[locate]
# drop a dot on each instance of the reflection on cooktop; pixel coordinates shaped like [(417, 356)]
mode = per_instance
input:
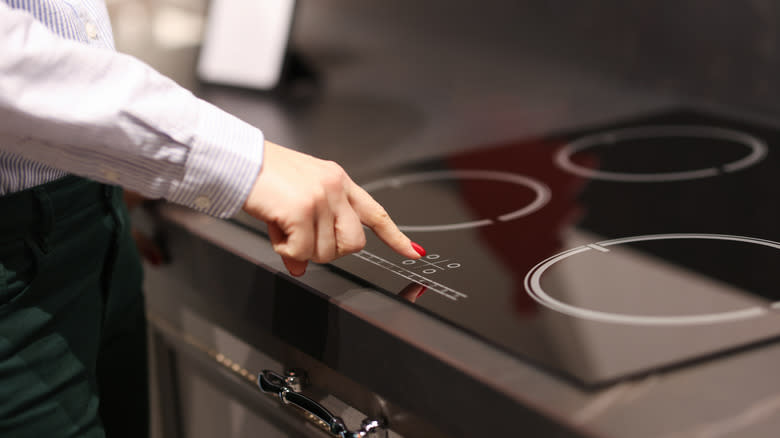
[(597, 255)]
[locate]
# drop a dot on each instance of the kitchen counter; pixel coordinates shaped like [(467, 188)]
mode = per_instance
[(425, 372)]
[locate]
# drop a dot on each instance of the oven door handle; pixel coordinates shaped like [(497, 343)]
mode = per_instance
[(273, 383)]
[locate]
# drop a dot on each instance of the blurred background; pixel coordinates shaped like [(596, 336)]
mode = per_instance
[(423, 76), (720, 50)]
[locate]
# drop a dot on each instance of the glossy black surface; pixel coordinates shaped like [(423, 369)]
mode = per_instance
[(661, 234)]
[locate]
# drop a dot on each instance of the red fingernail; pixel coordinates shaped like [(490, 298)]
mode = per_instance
[(422, 291), (420, 250)]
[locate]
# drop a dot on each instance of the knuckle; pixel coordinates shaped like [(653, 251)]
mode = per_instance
[(380, 216), (279, 249), (318, 193), (334, 167), (334, 176), (295, 252), (284, 251), (308, 205), (358, 244), (352, 245)]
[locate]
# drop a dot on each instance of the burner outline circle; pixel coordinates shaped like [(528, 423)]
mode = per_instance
[(758, 151), (534, 289), (543, 194)]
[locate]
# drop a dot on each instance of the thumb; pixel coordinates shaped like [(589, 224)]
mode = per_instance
[(277, 236)]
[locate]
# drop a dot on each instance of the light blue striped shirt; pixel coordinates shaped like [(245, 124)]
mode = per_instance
[(70, 104)]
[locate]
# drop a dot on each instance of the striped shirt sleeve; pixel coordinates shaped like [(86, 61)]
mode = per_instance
[(109, 117)]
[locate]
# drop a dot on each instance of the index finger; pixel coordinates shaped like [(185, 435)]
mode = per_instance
[(374, 216)]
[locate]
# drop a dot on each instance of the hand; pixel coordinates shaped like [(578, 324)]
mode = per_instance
[(314, 211)]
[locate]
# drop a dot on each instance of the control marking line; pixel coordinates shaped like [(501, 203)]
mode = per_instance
[(411, 276), (597, 247), (435, 264)]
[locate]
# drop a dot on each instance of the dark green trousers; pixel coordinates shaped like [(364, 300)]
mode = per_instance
[(72, 327)]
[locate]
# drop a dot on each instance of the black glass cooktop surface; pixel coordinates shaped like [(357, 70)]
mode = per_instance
[(600, 254)]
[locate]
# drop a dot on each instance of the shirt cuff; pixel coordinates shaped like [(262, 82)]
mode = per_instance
[(222, 165)]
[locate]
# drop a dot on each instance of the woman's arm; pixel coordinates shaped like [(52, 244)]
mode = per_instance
[(109, 117)]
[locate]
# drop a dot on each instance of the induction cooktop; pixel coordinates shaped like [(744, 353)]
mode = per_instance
[(598, 255)]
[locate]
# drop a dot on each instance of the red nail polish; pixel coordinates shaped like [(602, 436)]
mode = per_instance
[(422, 291), (419, 249)]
